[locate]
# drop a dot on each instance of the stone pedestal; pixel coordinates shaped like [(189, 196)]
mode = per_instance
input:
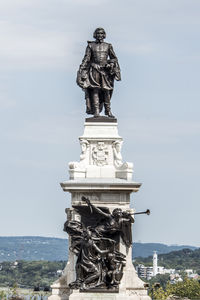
[(103, 177)]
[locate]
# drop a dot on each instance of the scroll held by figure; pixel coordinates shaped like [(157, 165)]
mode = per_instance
[(95, 241), (97, 73)]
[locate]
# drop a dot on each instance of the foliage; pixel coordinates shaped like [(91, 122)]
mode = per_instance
[(3, 295), (162, 279), (158, 293), (16, 293), (189, 288), (30, 273)]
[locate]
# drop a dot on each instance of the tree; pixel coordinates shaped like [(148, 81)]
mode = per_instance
[(158, 293), (3, 295), (187, 288), (161, 278)]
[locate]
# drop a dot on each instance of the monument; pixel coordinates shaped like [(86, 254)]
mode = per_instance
[(99, 221)]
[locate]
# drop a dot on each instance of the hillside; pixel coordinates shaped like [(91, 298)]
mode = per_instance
[(146, 249), (28, 274), (55, 249), (33, 273), (179, 260), (33, 248)]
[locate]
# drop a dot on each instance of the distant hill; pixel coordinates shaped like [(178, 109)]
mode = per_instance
[(33, 248), (179, 260), (146, 249), (56, 249)]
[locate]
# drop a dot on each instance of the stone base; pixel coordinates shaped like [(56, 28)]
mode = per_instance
[(100, 152), (76, 295), (103, 177), (107, 296), (130, 288)]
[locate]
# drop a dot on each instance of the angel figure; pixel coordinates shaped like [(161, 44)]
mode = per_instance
[(111, 223)]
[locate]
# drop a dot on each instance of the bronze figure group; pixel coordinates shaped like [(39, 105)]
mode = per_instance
[(95, 241)]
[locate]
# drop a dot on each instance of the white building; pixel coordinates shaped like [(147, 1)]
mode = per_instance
[(155, 264), (149, 272)]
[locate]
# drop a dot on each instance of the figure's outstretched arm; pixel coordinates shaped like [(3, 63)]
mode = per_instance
[(94, 208), (100, 251), (128, 219)]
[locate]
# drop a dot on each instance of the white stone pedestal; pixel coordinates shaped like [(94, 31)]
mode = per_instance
[(106, 180)]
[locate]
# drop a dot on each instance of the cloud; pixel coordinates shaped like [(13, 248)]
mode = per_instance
[(50, 34), (25, 48), (40, 35)]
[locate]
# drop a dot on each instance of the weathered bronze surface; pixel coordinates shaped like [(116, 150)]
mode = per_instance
[(97, 73), (95, 241)]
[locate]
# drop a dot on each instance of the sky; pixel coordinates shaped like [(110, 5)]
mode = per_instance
[(42, 110)]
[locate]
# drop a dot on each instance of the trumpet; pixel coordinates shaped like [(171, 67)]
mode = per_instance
[(147, 212)]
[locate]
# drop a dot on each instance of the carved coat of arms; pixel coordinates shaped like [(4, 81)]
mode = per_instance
[(100, 154)]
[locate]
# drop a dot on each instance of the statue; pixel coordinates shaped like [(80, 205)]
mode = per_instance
[(98, 262), (118, 162), (118, 222), (97, 73), (95, 241)]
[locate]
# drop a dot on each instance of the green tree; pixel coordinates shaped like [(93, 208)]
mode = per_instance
[(187, 288), (158, 293), (3, 295), (163, 279)]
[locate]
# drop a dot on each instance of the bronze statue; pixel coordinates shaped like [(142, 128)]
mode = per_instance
[(97, 73), (95, 241), (118, 222), (98, 263)]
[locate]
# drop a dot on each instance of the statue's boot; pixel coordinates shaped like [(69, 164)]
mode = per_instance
[(108, 111), (107, 106), (109, 114)]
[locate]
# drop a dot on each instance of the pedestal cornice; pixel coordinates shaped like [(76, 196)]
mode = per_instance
[(100, 184)]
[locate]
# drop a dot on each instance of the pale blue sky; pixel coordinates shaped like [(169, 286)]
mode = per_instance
[(156, 103)]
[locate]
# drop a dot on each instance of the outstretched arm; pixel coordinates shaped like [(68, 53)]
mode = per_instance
[(94, 208), (99, 250), (127, 219)]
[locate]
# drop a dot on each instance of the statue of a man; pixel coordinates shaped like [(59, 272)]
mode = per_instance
[(97, 73)]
